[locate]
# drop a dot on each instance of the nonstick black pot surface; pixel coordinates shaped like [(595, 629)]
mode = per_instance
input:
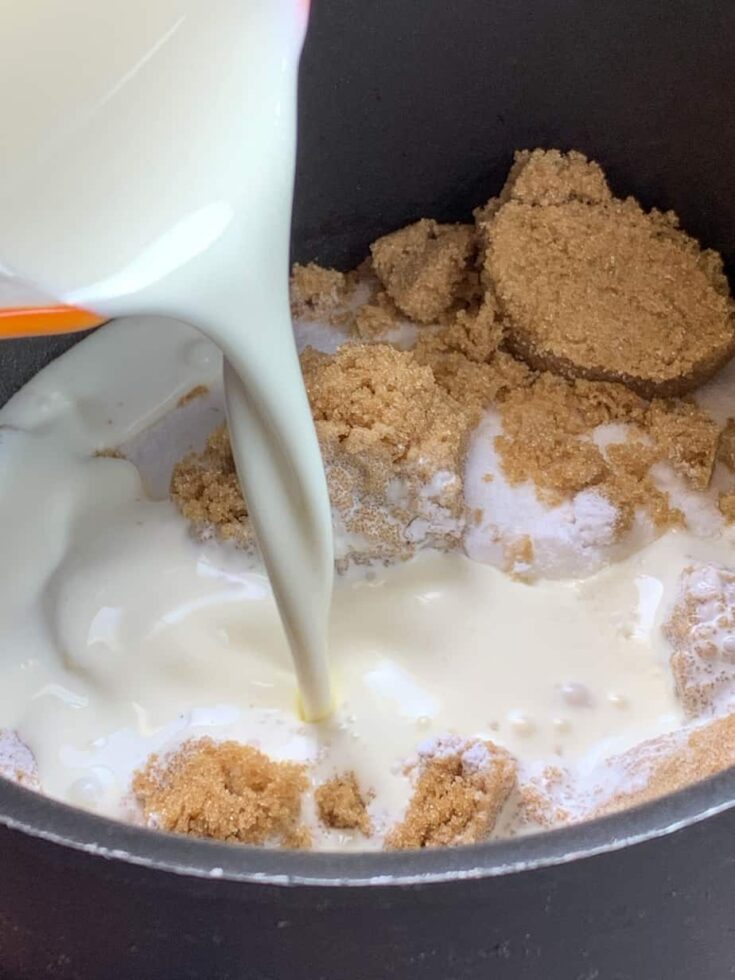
[(412, 108)]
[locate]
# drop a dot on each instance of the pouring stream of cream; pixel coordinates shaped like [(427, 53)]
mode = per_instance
[(146, 166)]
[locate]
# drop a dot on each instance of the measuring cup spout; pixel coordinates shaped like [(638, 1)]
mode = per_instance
[(32, 321)]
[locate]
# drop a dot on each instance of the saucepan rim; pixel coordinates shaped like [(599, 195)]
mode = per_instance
[(41, 817)]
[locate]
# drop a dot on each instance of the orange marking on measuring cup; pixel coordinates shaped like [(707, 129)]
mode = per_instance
[(44, 321)]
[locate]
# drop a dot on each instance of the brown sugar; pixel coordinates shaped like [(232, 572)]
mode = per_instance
[(726, 505), (380, 417), (205, 488), (224, 791), (687, 437), (198, 391), (316, 292), (546, 432), (386, 429), (545, 177), (540, 442), (477, 385), (422, 267), (540, 800), (475, 334), (376, 397), (383, 413), (374, 320), (546, 438), (595, 287), (701, 631), (518, 556), (461, 788), (629, 487), (341, 805), (671, 762), (110, 453), (726, 447), (647, 771)]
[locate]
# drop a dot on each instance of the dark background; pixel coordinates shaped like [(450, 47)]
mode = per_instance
[(412, 108)]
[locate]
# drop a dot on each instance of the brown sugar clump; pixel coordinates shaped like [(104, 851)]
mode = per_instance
[(645, 772), (466, 362), (198, 391), (224, 791), (546, 428), (545, 800), (109, 454), (316, 292), (701, 631), (374, 397), (461, 788), (544, 177), (726, 505), (726, 447), (378, 318), (546, 438), (687, 437), (629, 487), (475, 334), (387, 429), (474, 384), (595, 287), (667, 764), (518, 556), (423, 265), (341, 805), (206, 490)]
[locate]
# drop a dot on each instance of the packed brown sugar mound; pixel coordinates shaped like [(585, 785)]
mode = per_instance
[(224, 791), (701, 631), (461, 788), (594, 287)]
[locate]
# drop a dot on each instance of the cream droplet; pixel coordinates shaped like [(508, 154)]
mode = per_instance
[(85, 791), (577, 695), (521, 724)]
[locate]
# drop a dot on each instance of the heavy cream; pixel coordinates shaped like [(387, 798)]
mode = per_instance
[(147, 167)]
